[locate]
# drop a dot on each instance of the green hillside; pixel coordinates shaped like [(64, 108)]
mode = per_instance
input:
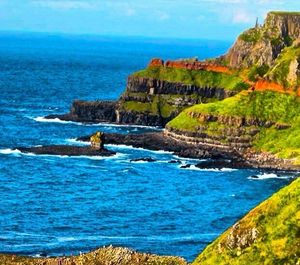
[(279, 115), (269, 234), (199, 78)]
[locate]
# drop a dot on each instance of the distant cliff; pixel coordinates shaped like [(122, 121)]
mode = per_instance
[(264, 43)]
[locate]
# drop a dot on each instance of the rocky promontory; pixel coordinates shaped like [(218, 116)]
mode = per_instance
[(156, 95)]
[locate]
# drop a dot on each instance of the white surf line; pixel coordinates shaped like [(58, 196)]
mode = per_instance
[(9, 151), (103, 124), (193, 167), (75, 141), (268, 176), (123, 146)]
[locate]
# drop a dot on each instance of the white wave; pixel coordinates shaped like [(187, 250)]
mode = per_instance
[(128, 126), (103, 124), (123, 146), (55, 120), (113, 157), (151, 238), (268, 176), (193, 167), (188, 159), (75, 141), (9, 151)]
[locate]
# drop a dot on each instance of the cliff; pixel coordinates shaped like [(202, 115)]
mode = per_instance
[(263, 44), (157, 94), (269, 234), (247, 105), (263, 121)]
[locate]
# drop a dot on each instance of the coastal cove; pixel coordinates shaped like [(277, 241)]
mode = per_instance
[(63, 205)]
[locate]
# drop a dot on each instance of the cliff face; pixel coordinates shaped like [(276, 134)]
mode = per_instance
[(265, 121), (269, 234), (156, 95), (262, 45)]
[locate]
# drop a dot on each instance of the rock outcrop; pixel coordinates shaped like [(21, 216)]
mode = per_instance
[(103, 256), (263, 44), (66, 150)]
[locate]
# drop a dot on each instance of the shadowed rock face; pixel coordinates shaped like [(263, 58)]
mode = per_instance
[(103, 256), (263, 44)]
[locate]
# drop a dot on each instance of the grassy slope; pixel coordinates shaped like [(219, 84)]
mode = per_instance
[(266, 106), (198, 78), (158, 105), (279, 72), (103, 256), (269, 234)]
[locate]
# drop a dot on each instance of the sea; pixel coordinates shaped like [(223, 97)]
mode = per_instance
[(60, 205)]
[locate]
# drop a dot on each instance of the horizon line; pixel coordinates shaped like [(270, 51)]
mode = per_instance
[(95, 35)]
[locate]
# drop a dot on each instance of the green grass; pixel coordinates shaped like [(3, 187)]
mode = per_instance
[(161, 105), (257, 72), (270, 233), (284, 143), (198, 78), (264, 106), (285, 13), (279, 72), (267, 106), (252, 35)]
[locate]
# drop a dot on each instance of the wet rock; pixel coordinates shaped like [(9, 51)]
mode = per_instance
[(66, 150), (186, 166), (174, 162), (143, 159)]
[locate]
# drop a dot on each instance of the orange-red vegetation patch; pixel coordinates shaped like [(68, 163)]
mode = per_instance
[(190, 65), (263, 85)]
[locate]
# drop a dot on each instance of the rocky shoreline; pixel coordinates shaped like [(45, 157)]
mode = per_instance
[(218, 156), (106, 255)]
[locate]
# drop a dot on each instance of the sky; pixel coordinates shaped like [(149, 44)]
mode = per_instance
[(195, 19)]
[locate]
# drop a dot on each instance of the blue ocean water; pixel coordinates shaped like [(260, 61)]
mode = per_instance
[(64, 205)]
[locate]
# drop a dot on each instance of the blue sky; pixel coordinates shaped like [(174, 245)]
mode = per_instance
[(201, 19)]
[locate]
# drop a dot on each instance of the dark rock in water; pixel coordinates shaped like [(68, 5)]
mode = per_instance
[(66, 150), (143, 159), (254, 177), (43, 254), (174, 162), (94, 111), (186, 166), (218, 164)]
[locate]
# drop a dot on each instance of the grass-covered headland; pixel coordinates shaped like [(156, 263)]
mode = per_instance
[(278, 114), (200, 78)]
